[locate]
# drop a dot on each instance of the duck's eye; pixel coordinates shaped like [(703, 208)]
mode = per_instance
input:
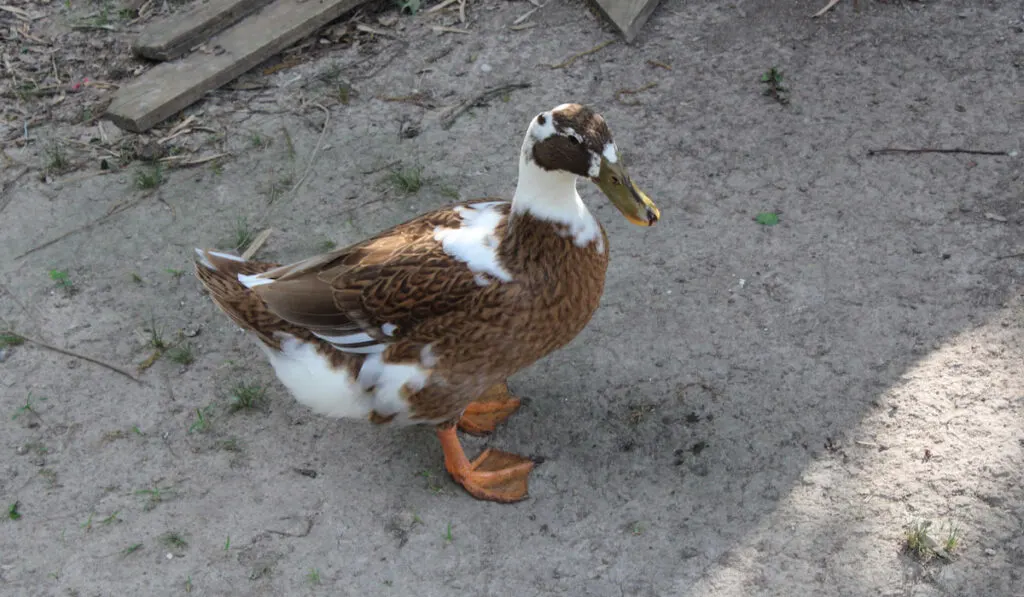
[(541, 120), (616, 181)]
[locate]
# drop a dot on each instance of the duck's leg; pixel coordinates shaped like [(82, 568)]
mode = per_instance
[(485, 413), (494, 475)]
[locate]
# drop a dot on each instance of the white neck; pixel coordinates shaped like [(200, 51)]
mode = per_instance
[(551, 195)]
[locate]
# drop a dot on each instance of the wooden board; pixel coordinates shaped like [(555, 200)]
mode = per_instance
[(167, 39), (170, 87), (628, 16)]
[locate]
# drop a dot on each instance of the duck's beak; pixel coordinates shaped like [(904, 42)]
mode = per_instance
[(615, 183)]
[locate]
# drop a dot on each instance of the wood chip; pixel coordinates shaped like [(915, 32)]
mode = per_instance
[(827, 8), (256, 244)]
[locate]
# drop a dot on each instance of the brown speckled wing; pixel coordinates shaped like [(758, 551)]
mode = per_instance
[(399, 278)]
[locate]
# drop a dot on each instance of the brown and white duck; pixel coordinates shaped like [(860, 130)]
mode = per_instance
[(424, 322)]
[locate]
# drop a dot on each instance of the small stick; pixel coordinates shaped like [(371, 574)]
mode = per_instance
[(319, 142), (195, 162), (256, 244), (827, 8), (575, 57), (659, 64), (525, 16), (77, 355), (1010, 256), (622, 92), (82, 228), (440, 29), (887, 150), (440, 6), (449, 119)]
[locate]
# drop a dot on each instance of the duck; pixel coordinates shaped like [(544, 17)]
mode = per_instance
[(424, 323)]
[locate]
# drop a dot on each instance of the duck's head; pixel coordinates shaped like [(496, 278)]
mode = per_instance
[(574, 139)]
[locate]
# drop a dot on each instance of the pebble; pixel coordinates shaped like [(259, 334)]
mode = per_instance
[(990, 552), (485, 68)]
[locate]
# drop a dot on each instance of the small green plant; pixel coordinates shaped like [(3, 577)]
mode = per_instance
[(244, 234), (450, 192), (448, 538), (131, 549), (182, 354), (407, 180), (327, 245), (173, 540), (87, 525), (137, 431), (188, 584), (153, 496), (50, 476), (246, 396), (111, 519), (57, 159), (28, 408), (227, 543), (772, 78), (136, 278), (12, 511), (8, 340), (919, 544), (202, 422), (408, 6), (149, 177), (258, 141), (313, 576), (156, 335), (62, 280), (177, 273), (767, 218), (952, 538), (230, 445)]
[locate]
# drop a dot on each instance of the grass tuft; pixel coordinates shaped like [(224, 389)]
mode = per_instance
[(8, 340), (246, 396), (63, 281), (244, 234), (183, 354), (406, 180), (149, 178), (173, 540)]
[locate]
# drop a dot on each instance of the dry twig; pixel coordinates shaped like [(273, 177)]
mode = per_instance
[(449, 119), (568, 62), (257, 244), (888, 150), (316, 150), (77, 355), (110, 214), (622, 92)]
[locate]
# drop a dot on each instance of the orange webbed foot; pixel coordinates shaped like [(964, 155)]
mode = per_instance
[(494, 475), (484, 414)]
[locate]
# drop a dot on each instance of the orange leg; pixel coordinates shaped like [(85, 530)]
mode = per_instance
[(484, 414), (494, 475)]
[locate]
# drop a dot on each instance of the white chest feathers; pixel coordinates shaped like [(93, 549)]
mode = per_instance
[(379, 386), (475, 241)]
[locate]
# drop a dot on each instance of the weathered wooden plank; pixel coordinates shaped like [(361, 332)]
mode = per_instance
[(167, 39), (170, 87), (628, 16)]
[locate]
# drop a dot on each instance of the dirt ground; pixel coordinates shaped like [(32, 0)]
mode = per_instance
[(755, 409)]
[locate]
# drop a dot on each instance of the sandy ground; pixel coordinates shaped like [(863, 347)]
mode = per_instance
[(755, 410)]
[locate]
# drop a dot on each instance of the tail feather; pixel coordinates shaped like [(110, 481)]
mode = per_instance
[(221, 275)]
